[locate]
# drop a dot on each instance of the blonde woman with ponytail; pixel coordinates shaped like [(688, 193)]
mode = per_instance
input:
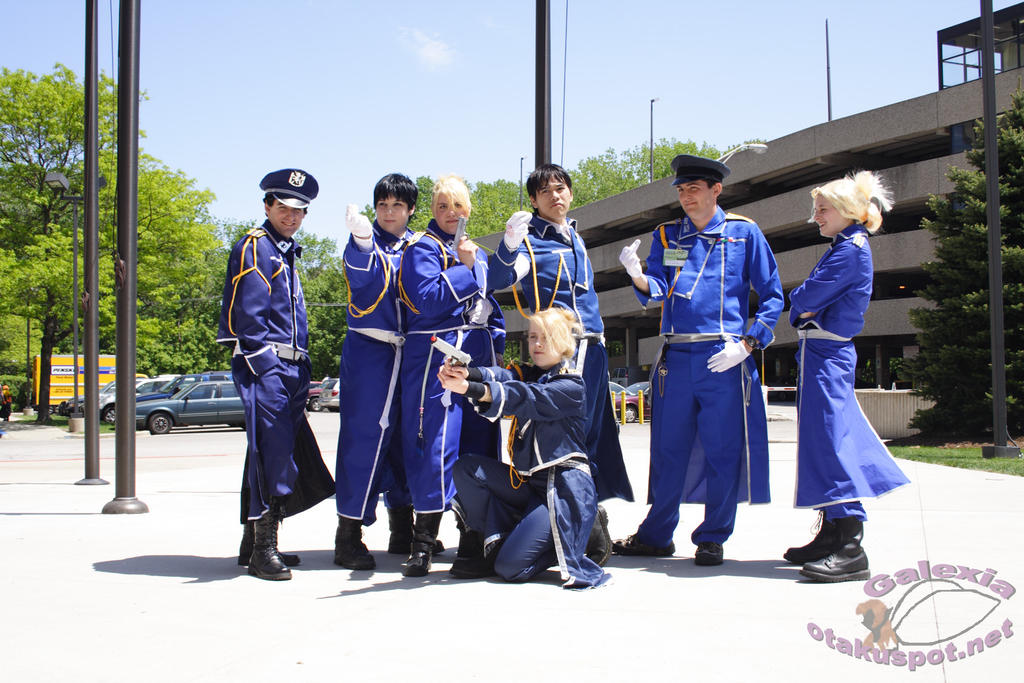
[(840, 458)]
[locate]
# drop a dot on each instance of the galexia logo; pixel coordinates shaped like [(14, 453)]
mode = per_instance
[(930, 614)]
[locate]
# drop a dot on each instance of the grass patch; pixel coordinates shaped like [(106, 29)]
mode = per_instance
[(965, 458), (62, 422)]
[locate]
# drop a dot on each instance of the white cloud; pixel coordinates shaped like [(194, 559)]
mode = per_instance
[(432, 52)]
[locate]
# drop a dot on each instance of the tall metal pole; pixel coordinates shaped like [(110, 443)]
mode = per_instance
[(76, 410), (995, 251), (91, 236), (125, 274), (521, 183), (542, 98), (828, 72), (653, 100)]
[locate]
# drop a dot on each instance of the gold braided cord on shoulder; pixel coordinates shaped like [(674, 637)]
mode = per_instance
[(250, 242), (514, 478), (444, 266), (536, 287), (679, 271), (354, 310), (738, 217)]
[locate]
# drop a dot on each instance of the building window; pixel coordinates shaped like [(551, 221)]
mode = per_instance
[(960, 47)]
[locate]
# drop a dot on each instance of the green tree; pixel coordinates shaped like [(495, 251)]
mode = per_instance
[(41, 130), (953, 367), (493, 203), (326, 292), (611, 173)]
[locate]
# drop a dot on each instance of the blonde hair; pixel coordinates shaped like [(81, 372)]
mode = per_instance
[(560, 328), (861, 198), (453, 187)]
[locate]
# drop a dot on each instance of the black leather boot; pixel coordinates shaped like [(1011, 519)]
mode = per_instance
[(265, 563), (599, 545), (349, 550), (849, 563), (245, 548), (400, 524), (825, 542), (424, 535), (470, 562)]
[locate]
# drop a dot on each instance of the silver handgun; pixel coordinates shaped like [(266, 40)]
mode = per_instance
[(453, 355)]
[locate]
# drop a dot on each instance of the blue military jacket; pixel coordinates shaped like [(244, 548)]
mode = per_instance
[(440, 290), (549, 410), (372, 279), (558, 272), (839, 288), (704, 278), (262, 304)]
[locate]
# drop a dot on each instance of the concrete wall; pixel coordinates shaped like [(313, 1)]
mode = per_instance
[(890, 412)]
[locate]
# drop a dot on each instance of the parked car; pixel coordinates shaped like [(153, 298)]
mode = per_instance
[(199, 403), (329, 395), (313, 397), (108, 395), (175, 385), (632, 400)]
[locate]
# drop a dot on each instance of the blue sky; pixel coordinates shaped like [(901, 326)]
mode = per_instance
[(350, 91)]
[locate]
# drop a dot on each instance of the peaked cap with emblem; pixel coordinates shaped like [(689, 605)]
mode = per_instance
[(689, 168), (291, 186)]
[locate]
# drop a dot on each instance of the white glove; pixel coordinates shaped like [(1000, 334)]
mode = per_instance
[(732, 355), (359, 227), (516, 228), (629, 259)]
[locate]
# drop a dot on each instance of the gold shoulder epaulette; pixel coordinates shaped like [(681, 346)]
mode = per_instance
[(737, 217), (256, 232)]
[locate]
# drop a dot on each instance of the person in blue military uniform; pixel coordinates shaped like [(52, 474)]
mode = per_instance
[(543, 252), (369, 459), (709, 436), (840, 458), (538, 511), (263, 322), (444, 287)]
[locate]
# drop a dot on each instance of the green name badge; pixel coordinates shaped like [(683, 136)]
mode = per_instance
[(675, 258)]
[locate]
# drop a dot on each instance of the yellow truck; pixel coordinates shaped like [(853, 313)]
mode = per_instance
[(62, 377)]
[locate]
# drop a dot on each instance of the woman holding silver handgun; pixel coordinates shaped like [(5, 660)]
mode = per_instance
[(442, 281), (537, 511)]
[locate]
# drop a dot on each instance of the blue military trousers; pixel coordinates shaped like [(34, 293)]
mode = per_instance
[(697, 444), (369, 459), (274, 404)]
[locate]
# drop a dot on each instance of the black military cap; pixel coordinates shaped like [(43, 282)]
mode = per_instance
[(291, 186), (689, 168)]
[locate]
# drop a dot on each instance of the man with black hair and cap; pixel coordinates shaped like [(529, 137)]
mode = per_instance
[(709, 437), (263, 321)]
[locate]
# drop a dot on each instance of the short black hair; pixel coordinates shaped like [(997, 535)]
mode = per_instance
[(269, 200), (398, 186), (545, 174)]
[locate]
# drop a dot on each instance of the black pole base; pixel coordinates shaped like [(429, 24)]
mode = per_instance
[(88, 481), (1000, 452), (125, 506)]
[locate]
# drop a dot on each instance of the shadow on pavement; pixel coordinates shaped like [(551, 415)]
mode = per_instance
[(198, 569), (683, 567)]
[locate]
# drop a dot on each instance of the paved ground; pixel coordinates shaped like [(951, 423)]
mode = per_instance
[(158, 596)]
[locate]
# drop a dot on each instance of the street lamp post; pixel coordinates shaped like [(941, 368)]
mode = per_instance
[(59, 182), (653, 100), (521, 183), (755, 147)]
